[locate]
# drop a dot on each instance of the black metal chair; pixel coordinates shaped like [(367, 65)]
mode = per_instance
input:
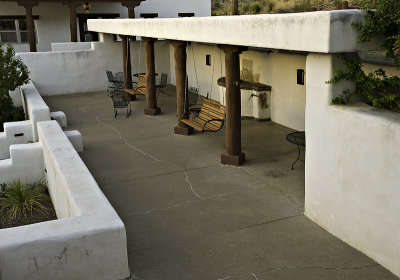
[(121, 100), (193, 100), (112, 83), (163, 83)]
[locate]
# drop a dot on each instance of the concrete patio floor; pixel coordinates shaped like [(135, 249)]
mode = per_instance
[(189, 217)]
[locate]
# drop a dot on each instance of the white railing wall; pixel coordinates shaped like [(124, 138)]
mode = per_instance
[(25, 164), (88, 241)]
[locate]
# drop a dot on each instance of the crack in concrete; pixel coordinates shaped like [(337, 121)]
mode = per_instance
[(57, 257), (83, 109), (158, 175), (229, 277), (186, 202), (322, 267), (255, 277), (272, 221)]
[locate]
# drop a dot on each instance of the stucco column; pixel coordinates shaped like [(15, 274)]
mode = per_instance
[(72, 19), (182, 104), (233, 154), (151, 98), (30, 24)]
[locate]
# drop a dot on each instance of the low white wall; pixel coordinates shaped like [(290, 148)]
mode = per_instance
[(352, 168), (88, 241), (26, 164), (36, 109), (14, 133), (65, 72), (79, 46)]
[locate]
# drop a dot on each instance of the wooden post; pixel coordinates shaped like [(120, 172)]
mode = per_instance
[(131, 5), (233, 154), (126, 62), (72, 19), (151, 98), (345, 5), (235, 7), (30, 23), (182, 104)]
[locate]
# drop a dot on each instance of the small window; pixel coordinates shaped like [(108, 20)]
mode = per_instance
[(300, 76), (149, 15), (186, 14), (208, 60), (13, 31)]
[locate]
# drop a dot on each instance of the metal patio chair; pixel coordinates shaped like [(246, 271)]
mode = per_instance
[(112, 83), (163, 83), (121, 100)]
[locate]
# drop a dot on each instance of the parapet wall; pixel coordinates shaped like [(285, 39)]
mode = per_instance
[(25, 164), (352, 168), (36, 109), (88, 241)]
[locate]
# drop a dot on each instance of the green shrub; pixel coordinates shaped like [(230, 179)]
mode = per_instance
[(270, 5), (375, 89), (255, 8), (19, 200), (382, 17), (13, 73)]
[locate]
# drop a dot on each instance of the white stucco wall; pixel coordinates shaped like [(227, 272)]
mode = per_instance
[(79, 46), (352, 168), (36, 110), (325, 32), (25, 164), (64, 72), (277, 69), (53, 23), (15, 133), (88, 241), (170, 9)]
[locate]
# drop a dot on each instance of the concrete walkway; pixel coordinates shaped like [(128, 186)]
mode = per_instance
[(189, 217)]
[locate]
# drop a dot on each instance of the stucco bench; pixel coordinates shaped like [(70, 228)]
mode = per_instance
[(60, 117)]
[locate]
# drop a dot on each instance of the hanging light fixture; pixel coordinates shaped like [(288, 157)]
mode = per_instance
[(86, 7)]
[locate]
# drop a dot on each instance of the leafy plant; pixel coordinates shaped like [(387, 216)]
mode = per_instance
[(382, 17), (375, 89), (256, 8), (13, 73), (20, 200)]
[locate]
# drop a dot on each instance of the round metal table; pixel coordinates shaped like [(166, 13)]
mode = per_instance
[(137, 74), (298, 138)]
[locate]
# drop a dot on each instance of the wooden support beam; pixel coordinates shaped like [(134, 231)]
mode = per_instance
[(72, 19), (151, 98), (182, 104), (233, 154), (28, 5)]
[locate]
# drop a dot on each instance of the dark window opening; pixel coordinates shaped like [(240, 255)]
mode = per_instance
[(84, 34), (208, 60), (300, 76), (149, 15), (186, 14), (14, 30)]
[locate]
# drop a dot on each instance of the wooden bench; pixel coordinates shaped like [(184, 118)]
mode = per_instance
[(210, 118), (140, 88)]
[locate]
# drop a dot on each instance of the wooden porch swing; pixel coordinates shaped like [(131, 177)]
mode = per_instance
[(211, 116), (140, 86)]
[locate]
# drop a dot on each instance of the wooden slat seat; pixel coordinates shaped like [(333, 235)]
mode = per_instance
[(210, 118), (140, 88)]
